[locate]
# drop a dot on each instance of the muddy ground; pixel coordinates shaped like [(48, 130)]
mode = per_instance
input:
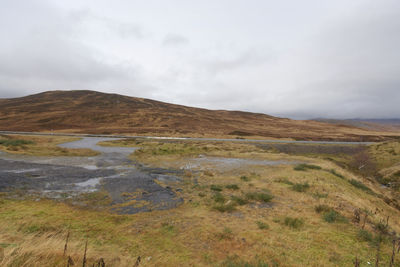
[(71, 177), (108, 181)]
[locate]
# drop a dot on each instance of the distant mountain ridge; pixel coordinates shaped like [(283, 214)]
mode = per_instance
[(83, 111), (392, 125)]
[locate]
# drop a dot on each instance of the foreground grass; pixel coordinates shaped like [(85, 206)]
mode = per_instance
[(251, 215), (41, 146)]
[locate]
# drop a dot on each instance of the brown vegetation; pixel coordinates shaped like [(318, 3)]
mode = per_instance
[(42, 146), (315, 215), (94, 112)]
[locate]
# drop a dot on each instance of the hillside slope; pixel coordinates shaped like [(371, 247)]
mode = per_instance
[(385, 125), (95, 112)]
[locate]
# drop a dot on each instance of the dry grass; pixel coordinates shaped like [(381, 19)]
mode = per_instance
[(195, 234), (42, 146)]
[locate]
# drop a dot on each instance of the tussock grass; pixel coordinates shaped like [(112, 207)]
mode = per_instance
[(304, 167), (333, 171), (219, 198), (217, 188), (294, 223), (262, 225), (361, 186), (245, 178), (284, 181), (322, 208), (229, 207), (227, 233), (300, 187), (333, 216), (239, 200), (259, 196), (364, 235), (329, 214), (318, 195), (232, 186)]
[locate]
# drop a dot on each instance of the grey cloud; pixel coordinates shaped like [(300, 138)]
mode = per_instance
[(45, 53), (125, 30), (352, 69), (347, 66), (172, 39), (245, 59)]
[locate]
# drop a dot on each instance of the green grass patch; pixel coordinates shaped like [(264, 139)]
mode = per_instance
[(167, 228), (364, 235), (300, 187), (284, 181), (322, 208), (38, 229), (332, 171), (245, 178), (381, 227), (225, 234), (6, 245), (15, 142), (262, 225), (232, 186), (259, 196), (218, 197), (361, 186), (217, 188), (294, 223), (333, 216), (304, 167), (319, 195), (224, 207), (239, 200)]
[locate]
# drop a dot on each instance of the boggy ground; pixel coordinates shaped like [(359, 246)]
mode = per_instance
[(238, 210), (107, 181)]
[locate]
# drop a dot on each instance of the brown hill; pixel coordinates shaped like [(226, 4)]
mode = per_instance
[(383, 125), (94, 112)]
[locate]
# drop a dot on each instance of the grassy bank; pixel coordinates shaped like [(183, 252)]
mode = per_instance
[(41, 146)]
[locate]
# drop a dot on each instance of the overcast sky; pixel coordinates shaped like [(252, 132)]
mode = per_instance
[(298, 59)]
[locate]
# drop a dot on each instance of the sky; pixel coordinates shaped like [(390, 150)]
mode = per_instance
[(289, 58)]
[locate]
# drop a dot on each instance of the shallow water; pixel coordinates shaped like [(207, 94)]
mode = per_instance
[(66, 177), (92, 143), (111, 171)]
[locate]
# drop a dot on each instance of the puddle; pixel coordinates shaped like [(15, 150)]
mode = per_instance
[(91, 142), (90, 167), (90, 183), (22, 171)]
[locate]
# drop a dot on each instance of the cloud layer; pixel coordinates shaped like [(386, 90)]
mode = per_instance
[(335, 60)]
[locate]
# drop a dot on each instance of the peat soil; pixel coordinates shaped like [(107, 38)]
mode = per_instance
[(70, 178)]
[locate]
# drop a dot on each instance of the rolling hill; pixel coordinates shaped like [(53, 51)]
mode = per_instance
[(84, 111), (385, 125)]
